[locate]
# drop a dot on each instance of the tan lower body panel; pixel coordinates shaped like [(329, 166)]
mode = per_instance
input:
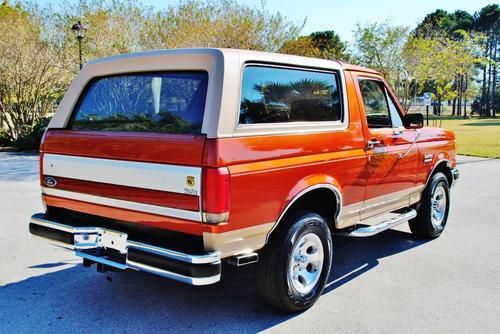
[(354, 213), (389, 202), (250, 239), (242, 241), (415, 197), (349, 215)]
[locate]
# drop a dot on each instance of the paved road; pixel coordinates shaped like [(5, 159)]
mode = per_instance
[(390, 283)]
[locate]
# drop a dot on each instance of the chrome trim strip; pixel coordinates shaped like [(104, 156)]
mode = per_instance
[(144, 175), (352, 213), (195, 259), (390, 197), (294, 127), (213, 257), (118, 203), (174, 276), (388, 202), (331, 187), (434, 167), (50, 224)]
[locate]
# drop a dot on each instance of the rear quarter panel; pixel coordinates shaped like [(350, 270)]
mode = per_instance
[(267, 172)]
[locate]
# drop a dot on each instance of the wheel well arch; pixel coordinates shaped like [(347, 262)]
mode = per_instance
[(444, 167), (324, 199)]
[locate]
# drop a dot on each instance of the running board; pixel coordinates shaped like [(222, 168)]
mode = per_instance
[(368, 231)]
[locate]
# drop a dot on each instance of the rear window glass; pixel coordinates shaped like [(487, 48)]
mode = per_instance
[(278, 95), (167, 102)]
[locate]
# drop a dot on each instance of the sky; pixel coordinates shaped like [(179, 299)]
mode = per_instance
[(342, 15)]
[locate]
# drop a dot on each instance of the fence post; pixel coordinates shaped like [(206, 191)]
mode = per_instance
[(427, 114)]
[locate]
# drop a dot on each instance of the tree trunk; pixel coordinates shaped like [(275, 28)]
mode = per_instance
[(483, 106), (488, 83), (460, 83), (465, 94), (493, 90)]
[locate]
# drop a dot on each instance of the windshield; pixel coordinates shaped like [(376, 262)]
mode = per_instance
[(165, 102)]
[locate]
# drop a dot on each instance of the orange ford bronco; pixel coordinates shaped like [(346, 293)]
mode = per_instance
[(174, 162)]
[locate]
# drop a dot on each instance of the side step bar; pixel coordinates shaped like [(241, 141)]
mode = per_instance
[(368, 231)]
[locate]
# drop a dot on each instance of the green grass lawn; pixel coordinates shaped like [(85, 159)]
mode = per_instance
[(476, 137)]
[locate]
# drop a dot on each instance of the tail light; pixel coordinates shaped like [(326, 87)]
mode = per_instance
[(44, 202), (40, 166), (215, 195)]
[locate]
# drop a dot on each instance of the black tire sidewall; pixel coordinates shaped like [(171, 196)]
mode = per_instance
[(306, 223), (437, 179)]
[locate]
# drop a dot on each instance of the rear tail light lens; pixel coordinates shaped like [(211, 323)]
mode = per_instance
[(215, 195), (44, 202), (40, 166)]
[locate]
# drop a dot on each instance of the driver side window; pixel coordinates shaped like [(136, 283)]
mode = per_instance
[(380, 110)]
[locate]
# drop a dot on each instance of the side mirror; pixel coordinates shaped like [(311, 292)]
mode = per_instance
[(413, 121)]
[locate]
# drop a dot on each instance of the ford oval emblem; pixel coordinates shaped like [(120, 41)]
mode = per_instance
[(50, 182)]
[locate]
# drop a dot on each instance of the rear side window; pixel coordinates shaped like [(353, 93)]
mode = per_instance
[(278, 95), (166, 102)]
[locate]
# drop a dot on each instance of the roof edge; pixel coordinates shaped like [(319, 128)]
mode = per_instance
[(351, 67)]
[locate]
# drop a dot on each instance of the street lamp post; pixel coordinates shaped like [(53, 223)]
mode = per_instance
[(79, 30)]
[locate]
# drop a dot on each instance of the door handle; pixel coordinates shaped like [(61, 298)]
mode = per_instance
[(370, 145)]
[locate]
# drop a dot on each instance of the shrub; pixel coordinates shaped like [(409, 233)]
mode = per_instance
[(30, 141), (4, 139)]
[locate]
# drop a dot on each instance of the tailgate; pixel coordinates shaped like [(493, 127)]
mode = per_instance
[(131, 150), (151, 179)]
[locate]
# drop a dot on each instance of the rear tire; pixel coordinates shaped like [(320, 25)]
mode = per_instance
[(295, 265), (433, 209)]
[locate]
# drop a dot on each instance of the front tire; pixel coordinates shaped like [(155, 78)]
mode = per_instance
[(295, 265), (433, 209)]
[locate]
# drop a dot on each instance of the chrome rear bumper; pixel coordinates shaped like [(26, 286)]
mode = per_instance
[(113, 249)]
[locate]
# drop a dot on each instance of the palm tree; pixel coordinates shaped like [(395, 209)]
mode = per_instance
[(293, 90)]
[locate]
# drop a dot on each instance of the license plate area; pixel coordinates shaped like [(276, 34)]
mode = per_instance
[(88, 239)]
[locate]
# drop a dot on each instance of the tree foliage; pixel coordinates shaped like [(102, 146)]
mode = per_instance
[(31, 78), (442, 64), (321, 44), (380, 46), (442, 55), (487, 21), (482, 28), (39, 54), (447, 53), (224, 23), (441, 23), (301, 46)]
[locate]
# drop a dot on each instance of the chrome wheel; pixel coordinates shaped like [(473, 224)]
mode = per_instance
[(438, 205), (306, 263)]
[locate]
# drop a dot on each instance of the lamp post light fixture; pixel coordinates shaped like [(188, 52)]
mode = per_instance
[(79, 30)]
